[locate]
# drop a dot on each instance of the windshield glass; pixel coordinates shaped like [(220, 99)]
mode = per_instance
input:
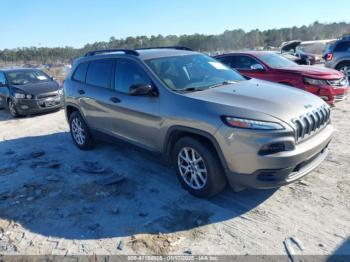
[(24, 77), (275, 60), (199, 72)]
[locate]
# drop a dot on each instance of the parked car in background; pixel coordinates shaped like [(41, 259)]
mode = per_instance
[(292, 51), (337, 56), (331, 85), (214, 125), (25, 91)]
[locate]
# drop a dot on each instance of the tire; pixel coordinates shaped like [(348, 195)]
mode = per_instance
[(12, 108), (80, 132), (198, 183), (344, 68)]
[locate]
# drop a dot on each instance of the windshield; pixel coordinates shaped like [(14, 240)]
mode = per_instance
[(275, 60), (24, 77), (198, 72)]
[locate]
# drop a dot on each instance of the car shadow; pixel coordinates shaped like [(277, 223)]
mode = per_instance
[(342, 253), (51, 188), (5, 115)]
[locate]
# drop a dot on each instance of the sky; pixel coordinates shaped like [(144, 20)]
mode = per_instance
[(75, 23)]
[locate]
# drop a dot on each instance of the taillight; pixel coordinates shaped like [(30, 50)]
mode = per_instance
[(329, 57)]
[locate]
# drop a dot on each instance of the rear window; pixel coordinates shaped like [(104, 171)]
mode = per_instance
[(99, 73), (80, 72), (342, 47)]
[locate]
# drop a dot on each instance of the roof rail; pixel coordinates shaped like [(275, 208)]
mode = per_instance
[(105, 51), (167, 47)]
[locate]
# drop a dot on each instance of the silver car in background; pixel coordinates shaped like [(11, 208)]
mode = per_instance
[(214, 125)]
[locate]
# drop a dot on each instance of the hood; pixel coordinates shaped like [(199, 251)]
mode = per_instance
[(266, 98), (313, 72), (292, 45), (38, 88)]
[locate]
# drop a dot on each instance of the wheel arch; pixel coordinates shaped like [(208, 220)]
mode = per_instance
[(177, 132)]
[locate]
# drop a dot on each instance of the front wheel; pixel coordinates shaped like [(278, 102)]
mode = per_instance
[(80, 132), (12, 108), (198, 168)]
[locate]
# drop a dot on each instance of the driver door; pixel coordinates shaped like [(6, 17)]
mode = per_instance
[(135, 118)]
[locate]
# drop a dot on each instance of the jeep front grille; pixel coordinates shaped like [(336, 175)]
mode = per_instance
[(311, 123)]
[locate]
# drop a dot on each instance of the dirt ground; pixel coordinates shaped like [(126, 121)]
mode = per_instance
[(116, 199)]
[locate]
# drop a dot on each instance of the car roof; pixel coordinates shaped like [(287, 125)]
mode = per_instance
[(253, 53), (143, 54), (13, 69)]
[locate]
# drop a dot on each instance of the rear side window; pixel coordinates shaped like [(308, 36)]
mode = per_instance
[(99, 73), (80, 72), (342, 47), (128, 74), (238, 62)]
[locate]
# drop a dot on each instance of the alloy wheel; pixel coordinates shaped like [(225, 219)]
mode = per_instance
[(192, 168), (78, 131), (346, 71), (12, 108)]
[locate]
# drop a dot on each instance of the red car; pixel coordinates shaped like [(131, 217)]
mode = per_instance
[(330, 85)]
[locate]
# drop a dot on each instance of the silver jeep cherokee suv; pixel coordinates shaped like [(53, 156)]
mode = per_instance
[(210, 122)]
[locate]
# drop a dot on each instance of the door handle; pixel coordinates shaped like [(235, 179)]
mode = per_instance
[(115, 100), (81, 92)]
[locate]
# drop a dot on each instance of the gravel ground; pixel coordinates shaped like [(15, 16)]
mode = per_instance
[(116, 199)]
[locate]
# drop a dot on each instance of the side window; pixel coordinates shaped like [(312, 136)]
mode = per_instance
[(128, 74), (342, 47), (80, 73), (99, 73), (2, 78), (243, 62), (226, 60)]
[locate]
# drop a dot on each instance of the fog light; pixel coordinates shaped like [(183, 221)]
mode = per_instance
[(277, 147), (24, 107)]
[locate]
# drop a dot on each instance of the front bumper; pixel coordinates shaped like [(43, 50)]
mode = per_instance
[(36, 106), (245, 167)]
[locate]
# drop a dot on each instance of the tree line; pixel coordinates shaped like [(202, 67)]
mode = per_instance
[(227, 41)]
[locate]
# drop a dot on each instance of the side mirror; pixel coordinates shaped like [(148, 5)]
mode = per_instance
[(142, 90), (257, 67)]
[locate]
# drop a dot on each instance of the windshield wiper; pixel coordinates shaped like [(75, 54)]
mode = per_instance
[(224, 83), (190, 89), (202, 88)]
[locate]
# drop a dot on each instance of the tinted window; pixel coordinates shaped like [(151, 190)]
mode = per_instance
[(342, 47), (2, 78), (99, 73), (128, 74), (239, 62), (80, 72)]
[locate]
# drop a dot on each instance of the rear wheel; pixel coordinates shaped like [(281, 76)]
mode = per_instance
[(80, 132), (345, 69), (198, 168), (12, 108)]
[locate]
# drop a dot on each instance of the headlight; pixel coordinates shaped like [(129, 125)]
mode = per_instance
[(60, 91), (20, 96), (23, 96), (251, 124), (315, 82)]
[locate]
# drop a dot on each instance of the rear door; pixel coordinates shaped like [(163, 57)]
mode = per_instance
[(95, 94), (135, 118)]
